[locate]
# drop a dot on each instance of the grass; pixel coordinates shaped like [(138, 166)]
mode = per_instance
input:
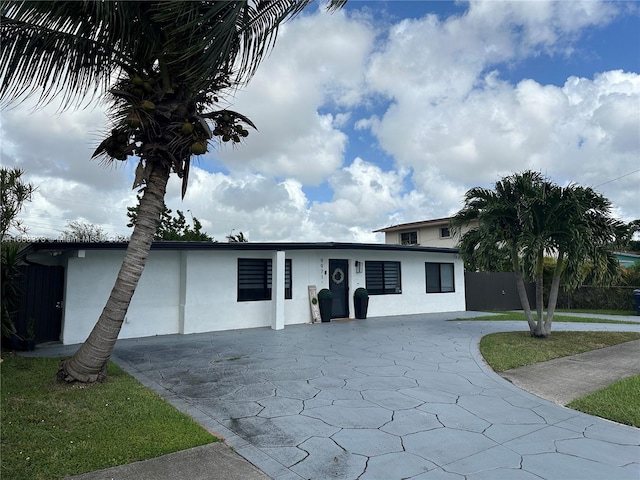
[(619, 402), (598, 312), (506, 350), (50, 430), (515, 316)]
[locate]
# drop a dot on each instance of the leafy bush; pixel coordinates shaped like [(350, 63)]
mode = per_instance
[(361, 293), (593, 298), (10, 288), (324, 293)]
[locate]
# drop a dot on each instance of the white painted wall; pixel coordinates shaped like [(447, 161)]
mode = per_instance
[(414, 298), (196, 291), (88, 283), (211, 302)]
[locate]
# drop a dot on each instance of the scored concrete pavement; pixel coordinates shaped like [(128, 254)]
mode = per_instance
[(385, 398)]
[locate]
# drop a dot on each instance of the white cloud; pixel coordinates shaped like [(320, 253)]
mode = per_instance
[(449, 121), (457, 126), (318, 60)]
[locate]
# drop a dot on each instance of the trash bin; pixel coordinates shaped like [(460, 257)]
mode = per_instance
[(636, 293)]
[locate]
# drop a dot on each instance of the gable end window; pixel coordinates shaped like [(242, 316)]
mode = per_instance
[(254, 279), (409, 238), (439, 277), (445, 232), (382, 277)]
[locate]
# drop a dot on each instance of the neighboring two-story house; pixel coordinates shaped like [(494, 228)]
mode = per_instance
[(483, 291), (432, 233)]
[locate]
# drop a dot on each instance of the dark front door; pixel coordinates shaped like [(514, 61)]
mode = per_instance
[(41, 289), (339, 286)]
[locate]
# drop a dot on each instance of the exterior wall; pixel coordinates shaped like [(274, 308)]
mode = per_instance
[(211, 301), (194, 291), (428, 235), (88, 283), (414, 298)]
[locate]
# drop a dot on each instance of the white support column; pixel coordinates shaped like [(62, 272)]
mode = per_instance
[(277, 290)]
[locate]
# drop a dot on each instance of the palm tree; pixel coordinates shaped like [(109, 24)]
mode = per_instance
[(162, 66), (237, 238), (528, 217), (499, 230), (582, 236)]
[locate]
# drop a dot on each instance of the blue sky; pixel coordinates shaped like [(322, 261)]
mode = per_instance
[(382, 113)]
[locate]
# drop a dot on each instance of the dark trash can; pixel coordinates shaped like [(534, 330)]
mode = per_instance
[(636, 293)]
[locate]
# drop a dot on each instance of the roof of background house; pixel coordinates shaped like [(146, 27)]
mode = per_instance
[(424, 223), (627, 259)]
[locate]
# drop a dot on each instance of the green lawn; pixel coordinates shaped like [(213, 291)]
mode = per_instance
[(50, 430), (619, 402), (506, 350), (598, 312), (516, 316)]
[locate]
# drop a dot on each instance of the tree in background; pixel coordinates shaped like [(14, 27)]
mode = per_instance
[(237, 238), (173, 228), (528, 217), (78, 231), (15, 192), (162, 67), (629, 240)]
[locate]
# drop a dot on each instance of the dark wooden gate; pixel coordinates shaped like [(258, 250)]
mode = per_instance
[(494, 291), (42, 290), (338, 284)]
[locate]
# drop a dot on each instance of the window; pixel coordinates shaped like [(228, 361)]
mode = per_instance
[(409, 238), (254, 279), (382, 277), (439, 277), (445, 232)]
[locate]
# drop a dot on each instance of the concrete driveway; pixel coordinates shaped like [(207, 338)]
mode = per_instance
[(382, 398)]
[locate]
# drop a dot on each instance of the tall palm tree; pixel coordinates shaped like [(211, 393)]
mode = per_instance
[(529, 217), (162, 67)]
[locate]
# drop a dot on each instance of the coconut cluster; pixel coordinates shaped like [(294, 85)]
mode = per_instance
[(163, 119), (228, 129)]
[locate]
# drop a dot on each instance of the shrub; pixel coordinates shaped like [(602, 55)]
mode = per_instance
[(324, 293), (361, 293)]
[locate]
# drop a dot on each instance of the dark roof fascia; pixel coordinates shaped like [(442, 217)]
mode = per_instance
[(423, 223), (73, 246)]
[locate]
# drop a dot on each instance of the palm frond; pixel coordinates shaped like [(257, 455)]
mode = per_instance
[(67, 49)]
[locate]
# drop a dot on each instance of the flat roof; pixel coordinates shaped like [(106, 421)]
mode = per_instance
[(174, 245)]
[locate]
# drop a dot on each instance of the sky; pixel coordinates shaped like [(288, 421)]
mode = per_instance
[(382, 113)]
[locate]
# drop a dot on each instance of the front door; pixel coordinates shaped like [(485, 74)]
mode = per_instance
[(339, 286)]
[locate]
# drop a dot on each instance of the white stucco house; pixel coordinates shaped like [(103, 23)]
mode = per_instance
[(190, 287)]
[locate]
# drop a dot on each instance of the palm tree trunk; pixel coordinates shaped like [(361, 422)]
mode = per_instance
[(553, 294), (539, 331), (89, 363), (522, 291)]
